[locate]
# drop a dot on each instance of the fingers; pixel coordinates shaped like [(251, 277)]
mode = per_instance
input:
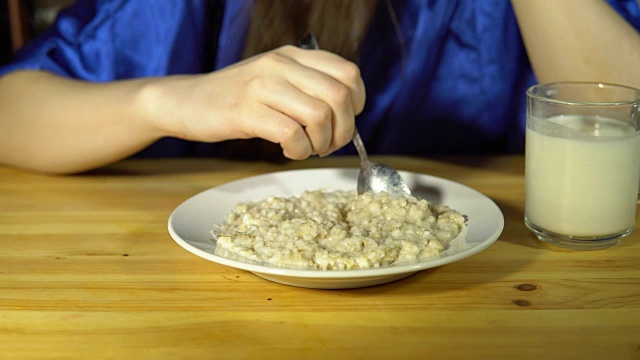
[(320, 104), (300, 123), (335, 108), (304, 100), (282, 129), (323, 94), (335, 66), (318, 99)]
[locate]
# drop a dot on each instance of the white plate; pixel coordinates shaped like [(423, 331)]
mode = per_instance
[(191, 221)]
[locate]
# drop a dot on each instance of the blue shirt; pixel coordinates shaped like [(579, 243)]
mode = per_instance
[(460, 89)]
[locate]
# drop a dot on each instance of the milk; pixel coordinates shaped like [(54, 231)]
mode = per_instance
[(581, 175)]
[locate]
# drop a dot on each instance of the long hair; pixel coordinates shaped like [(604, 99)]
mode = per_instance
[(339, 25)]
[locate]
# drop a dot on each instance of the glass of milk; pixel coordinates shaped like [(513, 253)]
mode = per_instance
[(582, 163)]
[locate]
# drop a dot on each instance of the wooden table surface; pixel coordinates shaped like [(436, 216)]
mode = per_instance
[(88, 270)]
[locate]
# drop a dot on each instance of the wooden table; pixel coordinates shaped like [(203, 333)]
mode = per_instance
[(88, 270)]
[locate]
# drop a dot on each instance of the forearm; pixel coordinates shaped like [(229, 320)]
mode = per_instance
[(579, 40), (305, 102), (58, 125)]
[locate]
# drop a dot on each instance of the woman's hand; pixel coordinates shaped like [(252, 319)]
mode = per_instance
[(304, 100)]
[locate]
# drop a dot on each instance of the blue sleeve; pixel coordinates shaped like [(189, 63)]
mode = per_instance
[(628, 9), (103, 40)]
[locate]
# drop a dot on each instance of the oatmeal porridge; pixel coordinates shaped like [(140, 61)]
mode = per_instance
[(337, 230)]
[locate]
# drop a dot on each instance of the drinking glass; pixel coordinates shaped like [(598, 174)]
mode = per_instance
[(582, 159)]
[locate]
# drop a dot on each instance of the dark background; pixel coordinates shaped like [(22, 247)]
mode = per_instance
[(21, 20)]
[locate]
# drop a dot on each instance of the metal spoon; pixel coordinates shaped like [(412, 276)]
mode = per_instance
[(374, 177)]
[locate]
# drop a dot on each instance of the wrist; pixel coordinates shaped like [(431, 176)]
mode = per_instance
[(150, 104)]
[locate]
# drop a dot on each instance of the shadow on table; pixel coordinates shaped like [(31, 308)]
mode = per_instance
[(183, 166), (515, 231)]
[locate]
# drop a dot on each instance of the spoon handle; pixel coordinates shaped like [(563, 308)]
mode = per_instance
[(357, 141), (309, 42)]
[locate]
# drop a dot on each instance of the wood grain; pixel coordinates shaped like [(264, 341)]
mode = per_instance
[(87, 269)]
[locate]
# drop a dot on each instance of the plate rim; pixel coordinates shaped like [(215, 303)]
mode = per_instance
[(390, 270)]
